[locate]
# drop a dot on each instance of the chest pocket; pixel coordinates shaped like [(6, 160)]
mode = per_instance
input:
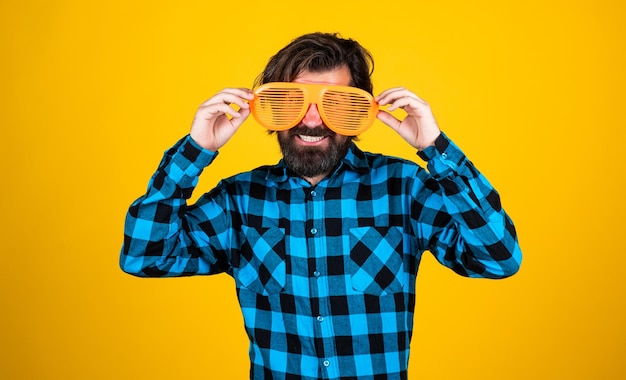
[(376, 253), (262, 264)]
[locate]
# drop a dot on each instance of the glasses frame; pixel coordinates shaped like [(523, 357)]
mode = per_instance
[(313, 94)]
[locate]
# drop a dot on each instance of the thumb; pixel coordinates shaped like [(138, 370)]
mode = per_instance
[(388, 119), (243, 115)]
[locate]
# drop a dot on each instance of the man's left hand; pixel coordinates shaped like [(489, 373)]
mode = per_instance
[(419, 127)]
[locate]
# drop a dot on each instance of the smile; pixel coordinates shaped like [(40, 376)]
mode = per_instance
[(311, 139)]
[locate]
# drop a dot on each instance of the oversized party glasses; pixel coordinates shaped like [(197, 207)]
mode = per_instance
[(346, 110)]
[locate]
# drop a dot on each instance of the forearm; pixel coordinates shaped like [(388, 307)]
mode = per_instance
[(158, 240), (479, 238)]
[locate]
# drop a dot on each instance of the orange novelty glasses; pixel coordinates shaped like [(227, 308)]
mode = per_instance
[(346, 110)]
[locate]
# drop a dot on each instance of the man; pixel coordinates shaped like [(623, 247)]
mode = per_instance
[(324, 246)]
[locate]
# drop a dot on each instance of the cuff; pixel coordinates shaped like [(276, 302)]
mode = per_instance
[(443, 157), (187, 158)]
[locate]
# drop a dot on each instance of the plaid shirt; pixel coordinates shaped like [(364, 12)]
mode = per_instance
[(325, 275)]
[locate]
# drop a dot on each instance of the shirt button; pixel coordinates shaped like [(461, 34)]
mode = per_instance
[(444, 155), (313, 193), (320, 318), (313, 231), (326, 363), (316, 273)]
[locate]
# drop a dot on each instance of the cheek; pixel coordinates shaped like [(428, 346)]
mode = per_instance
[(340, 139), (282, 135)]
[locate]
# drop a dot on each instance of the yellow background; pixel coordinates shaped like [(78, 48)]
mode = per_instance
[(93, 93)]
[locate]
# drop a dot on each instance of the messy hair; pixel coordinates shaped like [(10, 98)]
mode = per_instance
[(318, 52)]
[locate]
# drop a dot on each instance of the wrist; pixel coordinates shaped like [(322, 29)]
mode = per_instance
[(428, 140), (202, 142)]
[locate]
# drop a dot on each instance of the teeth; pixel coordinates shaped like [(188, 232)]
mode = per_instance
[(311, 138)]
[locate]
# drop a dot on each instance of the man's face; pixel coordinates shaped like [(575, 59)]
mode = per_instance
[(310, 149)]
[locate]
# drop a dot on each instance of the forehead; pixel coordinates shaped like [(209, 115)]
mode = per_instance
[(340, 77)]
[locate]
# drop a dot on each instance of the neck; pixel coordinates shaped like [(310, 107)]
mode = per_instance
[(316, 179)]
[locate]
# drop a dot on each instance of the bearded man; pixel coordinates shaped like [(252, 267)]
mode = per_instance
[(325, 245)]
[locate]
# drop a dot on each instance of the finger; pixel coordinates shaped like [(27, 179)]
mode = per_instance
[(394, 96), (239, 91), (214, 110), (228, 98), (387, 92), (238, 120), (404, 103), (389, 96), (231, 95), (388, 119), (232, 99)]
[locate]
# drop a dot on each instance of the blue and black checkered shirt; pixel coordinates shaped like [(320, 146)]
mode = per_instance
[(325, 275)]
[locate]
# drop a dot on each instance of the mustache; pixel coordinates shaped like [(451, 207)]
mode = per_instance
[(304, 130)]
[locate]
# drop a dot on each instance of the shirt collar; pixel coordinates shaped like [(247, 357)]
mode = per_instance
[(354, 160)]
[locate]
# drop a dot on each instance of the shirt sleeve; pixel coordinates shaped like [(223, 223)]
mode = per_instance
[(461, 218), (162, 236)]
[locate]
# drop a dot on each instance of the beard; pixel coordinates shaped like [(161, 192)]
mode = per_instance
[(312, 161)]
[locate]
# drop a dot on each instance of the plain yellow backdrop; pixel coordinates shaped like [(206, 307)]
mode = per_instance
[(91, 94)]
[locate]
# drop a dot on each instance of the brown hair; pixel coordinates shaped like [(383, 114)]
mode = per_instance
[(318, 52)]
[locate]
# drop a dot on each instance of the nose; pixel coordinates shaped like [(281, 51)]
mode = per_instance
[(312, 117)]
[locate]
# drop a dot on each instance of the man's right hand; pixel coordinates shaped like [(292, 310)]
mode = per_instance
[(216, 120)]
